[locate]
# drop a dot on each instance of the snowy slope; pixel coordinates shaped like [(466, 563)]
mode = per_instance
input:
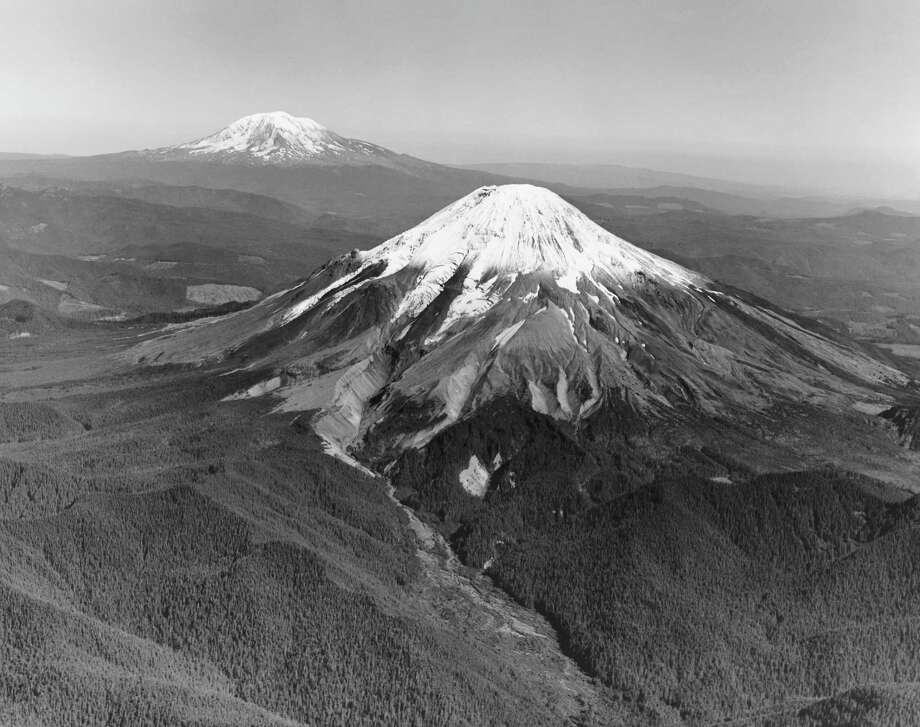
[(521, 229), (496, 235), (512, 292)]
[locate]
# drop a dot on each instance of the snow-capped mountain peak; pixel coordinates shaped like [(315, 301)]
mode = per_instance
[(269, 134), (511, 293), (518, 229), (276, 137)]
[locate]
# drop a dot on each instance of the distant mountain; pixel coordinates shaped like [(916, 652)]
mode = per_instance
[(292, 159), (276, 138)]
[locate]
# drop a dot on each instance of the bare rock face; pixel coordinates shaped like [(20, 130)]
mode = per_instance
[(512, 293)]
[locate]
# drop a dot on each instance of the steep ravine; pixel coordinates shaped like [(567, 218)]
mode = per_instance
[(468, 601)]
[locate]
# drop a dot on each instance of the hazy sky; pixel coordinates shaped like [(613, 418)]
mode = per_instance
[(684, 82)]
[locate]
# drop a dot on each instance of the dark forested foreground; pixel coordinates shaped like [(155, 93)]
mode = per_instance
[(166, 558), (700, 600), (704, 594)]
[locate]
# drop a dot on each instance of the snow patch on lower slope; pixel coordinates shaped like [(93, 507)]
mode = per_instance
[(474, 479)]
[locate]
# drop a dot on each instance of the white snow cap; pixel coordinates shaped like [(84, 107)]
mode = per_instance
[(499, 234), (269, 135), (520, 228)]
